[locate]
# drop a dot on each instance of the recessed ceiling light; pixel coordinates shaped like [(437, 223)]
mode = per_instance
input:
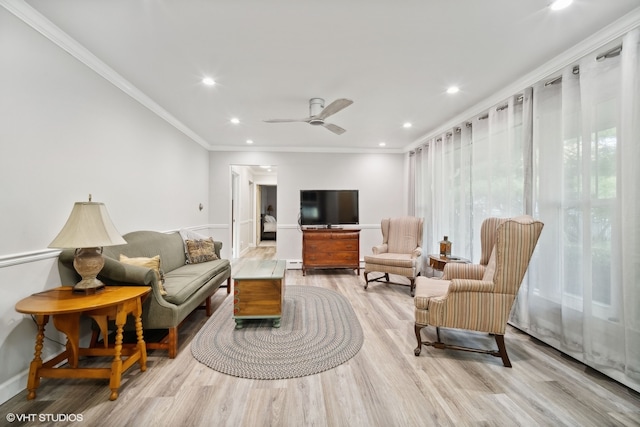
[(453, 89), (208, 81), (235, 120), (382, 144), (560, 4), (407, 125), (249, 141)]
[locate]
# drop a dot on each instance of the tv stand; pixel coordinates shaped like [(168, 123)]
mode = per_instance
[(330, 248)]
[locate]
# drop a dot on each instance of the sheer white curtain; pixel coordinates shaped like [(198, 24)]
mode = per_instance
[(497, 165), (583, 295), (568, 153), (443, 190)]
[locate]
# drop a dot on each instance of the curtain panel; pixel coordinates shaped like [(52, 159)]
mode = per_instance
[(566, 151)]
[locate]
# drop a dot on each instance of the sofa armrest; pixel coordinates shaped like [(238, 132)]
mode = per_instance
[(465, 285), (217, 246), (115, 271), (380, 249), (457, 270)]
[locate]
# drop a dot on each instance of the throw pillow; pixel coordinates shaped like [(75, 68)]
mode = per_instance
[(189, 235), (152, 263), (201, 250)]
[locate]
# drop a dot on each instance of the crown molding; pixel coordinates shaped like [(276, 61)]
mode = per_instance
[(38, 22), (331, 150), (588, 46)]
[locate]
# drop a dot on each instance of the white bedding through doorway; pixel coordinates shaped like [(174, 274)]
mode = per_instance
[(270, 224)]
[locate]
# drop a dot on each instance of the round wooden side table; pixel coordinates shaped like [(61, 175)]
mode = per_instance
[(66, 307), (437, 262)]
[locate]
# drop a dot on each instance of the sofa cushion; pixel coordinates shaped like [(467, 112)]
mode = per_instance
[(149, 244), (391, 259), (184, 281), (201, 250), (427, 289)]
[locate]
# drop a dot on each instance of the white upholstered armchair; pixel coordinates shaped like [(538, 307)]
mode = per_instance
[(400, 252), (479, 297)]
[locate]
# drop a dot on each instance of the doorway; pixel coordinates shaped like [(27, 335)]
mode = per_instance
[(254, 205), (268, 205)]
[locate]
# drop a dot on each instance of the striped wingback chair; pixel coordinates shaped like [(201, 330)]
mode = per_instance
[(400, 252), (479, 297)]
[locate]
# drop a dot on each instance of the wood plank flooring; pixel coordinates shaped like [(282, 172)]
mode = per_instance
[(383, 385)]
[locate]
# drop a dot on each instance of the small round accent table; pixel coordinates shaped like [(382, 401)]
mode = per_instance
[(66, 307), (437, 262)]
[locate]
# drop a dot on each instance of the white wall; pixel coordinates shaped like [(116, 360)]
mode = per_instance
[(380, 179), (66, 132)]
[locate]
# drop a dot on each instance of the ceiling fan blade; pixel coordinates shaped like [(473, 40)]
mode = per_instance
[(286, 120), (334, 107), (334, 128)]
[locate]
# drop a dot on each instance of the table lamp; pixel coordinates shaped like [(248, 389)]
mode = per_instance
[(88, 230)]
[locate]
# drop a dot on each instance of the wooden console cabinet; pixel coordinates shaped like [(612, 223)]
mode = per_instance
[(330, 248)]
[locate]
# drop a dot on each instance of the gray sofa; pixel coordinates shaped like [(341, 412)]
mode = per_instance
[(188, 286)]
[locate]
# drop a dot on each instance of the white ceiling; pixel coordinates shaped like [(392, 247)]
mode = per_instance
[(394, 59)]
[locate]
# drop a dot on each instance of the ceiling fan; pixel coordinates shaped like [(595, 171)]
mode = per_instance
[(318, 112)]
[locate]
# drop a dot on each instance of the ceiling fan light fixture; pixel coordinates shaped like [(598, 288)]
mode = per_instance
[(318, 113)]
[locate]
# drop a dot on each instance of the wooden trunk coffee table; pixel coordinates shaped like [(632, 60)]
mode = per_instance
[(258, 291)]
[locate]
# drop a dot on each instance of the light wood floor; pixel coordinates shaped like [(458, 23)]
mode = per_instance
[(383, 385)]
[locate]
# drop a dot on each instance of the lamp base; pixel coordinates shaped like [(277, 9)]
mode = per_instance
[(88, 262), (88, 286)]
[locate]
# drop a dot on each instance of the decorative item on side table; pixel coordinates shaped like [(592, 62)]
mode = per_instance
[(445, 247), (88, 230)]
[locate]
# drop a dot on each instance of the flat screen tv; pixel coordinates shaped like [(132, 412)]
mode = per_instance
[(328, 207)]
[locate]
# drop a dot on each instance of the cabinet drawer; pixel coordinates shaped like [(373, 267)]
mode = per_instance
[(331, 246), (331, 258), (347, 235), (316, 235)]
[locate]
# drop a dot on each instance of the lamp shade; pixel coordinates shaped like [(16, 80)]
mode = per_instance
[(88, 226)]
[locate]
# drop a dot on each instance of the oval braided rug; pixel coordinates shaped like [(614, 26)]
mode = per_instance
[(319, 331)]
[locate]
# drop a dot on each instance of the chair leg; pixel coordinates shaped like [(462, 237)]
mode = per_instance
[(413, 287), (502, 349), (366, 279), (418, 349)]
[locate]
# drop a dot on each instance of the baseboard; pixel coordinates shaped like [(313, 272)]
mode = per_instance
[(13, 386)]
